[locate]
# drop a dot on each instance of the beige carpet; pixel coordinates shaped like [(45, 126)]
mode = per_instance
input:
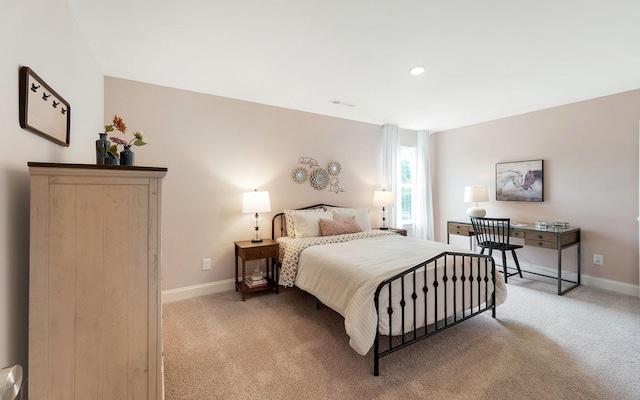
[(583, 345)]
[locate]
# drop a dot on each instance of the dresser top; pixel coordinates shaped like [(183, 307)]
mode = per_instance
[(94, 166)]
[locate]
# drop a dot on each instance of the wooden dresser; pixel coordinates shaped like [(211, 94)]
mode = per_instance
[(94, 282)]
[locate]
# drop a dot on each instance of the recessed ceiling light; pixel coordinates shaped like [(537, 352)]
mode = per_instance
[(417, 70), (342, 103)]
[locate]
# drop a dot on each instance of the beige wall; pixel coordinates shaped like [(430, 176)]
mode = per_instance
[(43, 35), (217, 148), (590, 153)]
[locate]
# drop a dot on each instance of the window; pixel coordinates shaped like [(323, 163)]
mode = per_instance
[(408, 157)]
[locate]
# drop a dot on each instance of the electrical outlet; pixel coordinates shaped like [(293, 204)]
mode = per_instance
[(598, 259), (206, 264)]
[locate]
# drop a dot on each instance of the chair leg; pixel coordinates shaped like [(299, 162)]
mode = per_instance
[(504, 266), (515, 258)]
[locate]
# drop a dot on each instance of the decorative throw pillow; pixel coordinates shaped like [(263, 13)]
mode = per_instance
[(361, 216), (307, 224), (331, 228), (288, 219)]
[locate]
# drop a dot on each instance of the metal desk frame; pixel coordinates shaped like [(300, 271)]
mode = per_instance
[(564, 238)]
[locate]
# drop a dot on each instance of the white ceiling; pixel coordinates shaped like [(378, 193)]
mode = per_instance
[(485, 59)]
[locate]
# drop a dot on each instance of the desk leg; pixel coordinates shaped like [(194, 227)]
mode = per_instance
[(579, 267), (579, 261), (559, 266)]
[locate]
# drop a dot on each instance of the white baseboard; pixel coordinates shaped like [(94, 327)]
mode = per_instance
[(613, 286), (586, 280), (204, 289)]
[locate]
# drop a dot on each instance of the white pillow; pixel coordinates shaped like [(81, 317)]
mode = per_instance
[(360, 214), (288, 219), (308, 224)]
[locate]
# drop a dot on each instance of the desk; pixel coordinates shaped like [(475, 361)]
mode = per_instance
[(552, 238)]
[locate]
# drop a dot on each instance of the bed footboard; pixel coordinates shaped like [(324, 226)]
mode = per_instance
[(430, 297)]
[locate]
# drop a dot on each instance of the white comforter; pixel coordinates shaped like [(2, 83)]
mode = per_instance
[(344, 276)]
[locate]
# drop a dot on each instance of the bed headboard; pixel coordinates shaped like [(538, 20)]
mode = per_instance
[(278, 225)]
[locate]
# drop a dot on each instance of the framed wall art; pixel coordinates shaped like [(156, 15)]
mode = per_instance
[(520, 181), (42, 110)]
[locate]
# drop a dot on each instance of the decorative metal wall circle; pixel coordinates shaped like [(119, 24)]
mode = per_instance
[(300, 175), (334, 168), (319, 179)]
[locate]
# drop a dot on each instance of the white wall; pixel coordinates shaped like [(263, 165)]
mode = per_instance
[(43, 35), (216, 148), (590, 153)]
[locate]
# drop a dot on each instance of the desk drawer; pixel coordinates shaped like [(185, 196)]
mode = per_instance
[(539, 239), (262, 252), (459, 229), (517, 234)]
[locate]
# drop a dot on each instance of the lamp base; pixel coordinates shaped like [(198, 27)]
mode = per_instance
[(476, 212), (383, 228), (256, 240)]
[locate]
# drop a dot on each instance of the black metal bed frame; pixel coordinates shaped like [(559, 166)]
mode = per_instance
[(450, 261)]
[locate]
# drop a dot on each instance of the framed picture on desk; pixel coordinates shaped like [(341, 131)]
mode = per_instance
[(520, 181)]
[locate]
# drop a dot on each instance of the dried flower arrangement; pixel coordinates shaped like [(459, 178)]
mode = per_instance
[(118, 124)]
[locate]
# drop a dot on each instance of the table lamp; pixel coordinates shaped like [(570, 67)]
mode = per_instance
[(253, 203), (475, 194), (382, 198)]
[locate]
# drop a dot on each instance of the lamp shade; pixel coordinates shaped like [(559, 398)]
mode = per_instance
[(256, 202), (476, 194), (382, 198)]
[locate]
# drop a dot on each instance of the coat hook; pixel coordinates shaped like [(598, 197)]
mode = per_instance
[(63, 111), (55, 104), (34, 88), (45, 96)]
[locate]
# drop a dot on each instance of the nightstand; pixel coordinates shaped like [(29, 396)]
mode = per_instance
[(247, 250), (399, 231)]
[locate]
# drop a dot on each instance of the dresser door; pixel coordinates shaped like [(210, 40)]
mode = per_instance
[(94, 296)]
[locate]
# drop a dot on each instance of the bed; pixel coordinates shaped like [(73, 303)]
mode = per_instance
[(376, 279)]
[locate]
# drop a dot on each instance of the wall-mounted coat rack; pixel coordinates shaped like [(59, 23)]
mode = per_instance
[(42, 110)]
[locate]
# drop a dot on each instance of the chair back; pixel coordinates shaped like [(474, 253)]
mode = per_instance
[(491, 232)]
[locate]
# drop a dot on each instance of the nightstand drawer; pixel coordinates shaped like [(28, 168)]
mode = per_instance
[(258, 253)]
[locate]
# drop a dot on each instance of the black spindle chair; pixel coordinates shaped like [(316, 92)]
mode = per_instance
[(493, 234)]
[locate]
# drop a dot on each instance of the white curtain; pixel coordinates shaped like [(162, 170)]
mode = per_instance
[(391, 168), (423, 228)]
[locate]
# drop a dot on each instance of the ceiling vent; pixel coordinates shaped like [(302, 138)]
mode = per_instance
[(342, 103)]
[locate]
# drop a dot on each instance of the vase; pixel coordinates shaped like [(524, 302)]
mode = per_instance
[(102, 145), (127, 157), (110, 160)]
